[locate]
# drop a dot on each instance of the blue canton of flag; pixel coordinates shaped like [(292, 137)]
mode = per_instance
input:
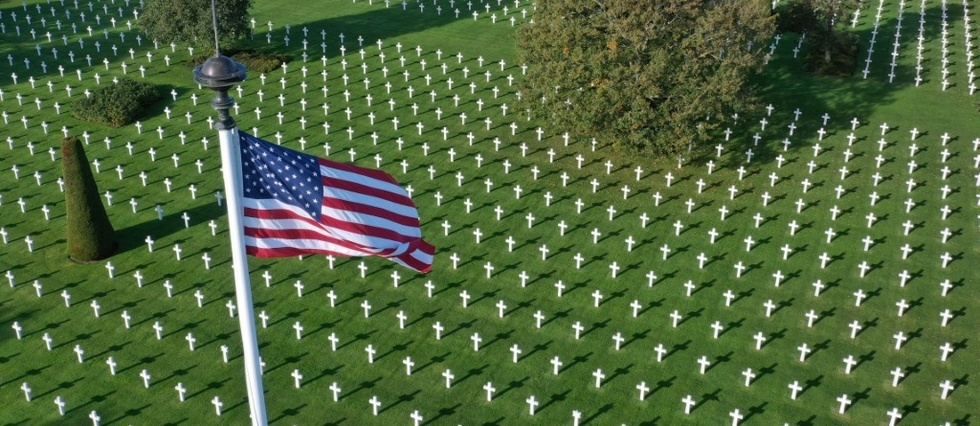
[(283, 174)]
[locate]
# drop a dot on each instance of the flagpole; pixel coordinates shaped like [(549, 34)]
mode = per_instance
[(221, 73)]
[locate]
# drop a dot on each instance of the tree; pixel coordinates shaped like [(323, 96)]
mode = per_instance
[(90, 234), (190, 21), (646, 76), (828, 39)]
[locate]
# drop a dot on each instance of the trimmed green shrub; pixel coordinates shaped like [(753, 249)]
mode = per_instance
[(254, 60), (116, 104), (90, 234)]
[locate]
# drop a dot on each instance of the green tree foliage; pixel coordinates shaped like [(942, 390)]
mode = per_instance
[(831, 49), (648, 77), (795, 16), (191, 22), (90, 234), (116, 104)]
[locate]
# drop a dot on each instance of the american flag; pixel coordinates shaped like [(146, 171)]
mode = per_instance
[(298, 204)]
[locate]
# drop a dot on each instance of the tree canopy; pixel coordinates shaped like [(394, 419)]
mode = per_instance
[(831, 48), (648, 77), (190, 21)]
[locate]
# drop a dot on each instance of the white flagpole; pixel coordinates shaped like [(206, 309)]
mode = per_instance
[(220, 74), (231, 163)]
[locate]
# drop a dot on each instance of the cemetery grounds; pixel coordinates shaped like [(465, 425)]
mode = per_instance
[(853, 247)]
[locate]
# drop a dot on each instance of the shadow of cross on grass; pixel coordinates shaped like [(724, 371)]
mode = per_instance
[(865, 394), (472, 373), (811, 384), (485, 295), (288, 361), (397, 348), (323, 326), (180, 372), (432, 361), (555, 397), (47, 327), (765, 371), (690, 316), (663, 384), (577, 360), (557, 315), (142, 361), (820, 346), (389, 305), (596, 326), (187, 326), (357, 338), (133, 237), (210, 387), (63, 385), (327, 371), (94, 296), (868, 357), (522, 305), (443, 412), (130, 413), (289, 412), (710, 396), (367, 384), (636, 337), (784, 304), (731, 326), (113, 348), (775, 336), (753, 411), (602, 410), (461, 326), (424, 315), (217, 338), (745, 294), (95, 399), (621, 371), (355, 295), (288, 316), (405, 397), (517, 384), (677, 348), (540, 347), (721, 359), (155, 316), (78, 338)]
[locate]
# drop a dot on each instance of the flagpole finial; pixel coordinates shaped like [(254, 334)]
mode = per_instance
[(221, 73)]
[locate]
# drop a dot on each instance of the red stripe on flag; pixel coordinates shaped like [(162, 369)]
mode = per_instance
[(364, 230), (361, 189), (358, 208)]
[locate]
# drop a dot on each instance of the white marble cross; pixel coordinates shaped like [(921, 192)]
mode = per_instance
[(217, 404), (145, 375)]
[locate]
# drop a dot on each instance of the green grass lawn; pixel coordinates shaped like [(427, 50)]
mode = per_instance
[(540, 166)]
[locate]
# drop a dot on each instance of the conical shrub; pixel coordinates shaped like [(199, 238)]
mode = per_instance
[(90, 234)]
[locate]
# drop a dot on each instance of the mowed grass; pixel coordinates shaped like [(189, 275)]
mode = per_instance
[(122, 398)]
